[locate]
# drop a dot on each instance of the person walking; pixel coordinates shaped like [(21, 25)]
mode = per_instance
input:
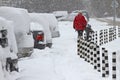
[(79, 24)]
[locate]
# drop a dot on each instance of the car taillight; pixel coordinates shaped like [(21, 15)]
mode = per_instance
[(40, 37)]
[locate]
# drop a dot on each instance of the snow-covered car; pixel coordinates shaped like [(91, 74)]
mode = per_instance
[(60, 15), (8, 48), (53, 24), (35, 17), (72, 15), (38, 35), (21, 20)]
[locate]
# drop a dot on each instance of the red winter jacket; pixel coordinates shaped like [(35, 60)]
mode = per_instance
[(79, 22)]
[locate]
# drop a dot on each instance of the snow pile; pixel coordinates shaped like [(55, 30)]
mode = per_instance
[(97, 26), (34, 26), (1, 71), (11, 38), (61, 62), (53, 23)]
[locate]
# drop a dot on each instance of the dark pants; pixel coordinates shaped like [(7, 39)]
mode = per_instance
[(80, 33)]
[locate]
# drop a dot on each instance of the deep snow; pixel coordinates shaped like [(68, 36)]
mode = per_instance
[(61, 62)]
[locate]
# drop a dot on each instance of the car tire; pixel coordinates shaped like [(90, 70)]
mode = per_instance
[(40, 46), (49, 45)]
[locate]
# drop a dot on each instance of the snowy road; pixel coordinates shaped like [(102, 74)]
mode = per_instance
[(59, 63)]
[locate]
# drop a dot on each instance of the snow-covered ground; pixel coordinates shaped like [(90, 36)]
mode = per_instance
[(61, 62)]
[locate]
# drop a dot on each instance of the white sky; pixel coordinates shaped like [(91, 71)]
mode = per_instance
[(61, 62)]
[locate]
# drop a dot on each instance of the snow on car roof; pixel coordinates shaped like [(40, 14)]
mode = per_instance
[(12, 9), (19, 16), (36, 26), (50, 18)]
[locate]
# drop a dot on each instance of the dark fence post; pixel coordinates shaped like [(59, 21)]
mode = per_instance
[(114, 66), (105, 64)]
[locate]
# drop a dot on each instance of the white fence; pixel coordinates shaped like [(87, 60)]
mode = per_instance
[(104, 36), (90, 51)]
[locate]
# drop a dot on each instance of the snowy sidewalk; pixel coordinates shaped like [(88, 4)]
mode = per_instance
[(59, 63)]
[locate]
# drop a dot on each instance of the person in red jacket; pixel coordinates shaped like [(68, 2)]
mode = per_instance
[(79, 24)]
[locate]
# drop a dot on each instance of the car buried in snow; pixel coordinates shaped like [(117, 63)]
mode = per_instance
[(37, 18), (60, 15), (38, 35), (23, 35), (8, 46), (53, 24)]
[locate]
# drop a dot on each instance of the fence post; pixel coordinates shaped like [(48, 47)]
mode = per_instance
[(110, 34), (105, 65), (98, 59), (118, 31), (91, 52), (85, 48), (114, 33), (96, 38), (105, 36), (88, 52), (101, 37), (114, 66), (80, 49), (78, 46)]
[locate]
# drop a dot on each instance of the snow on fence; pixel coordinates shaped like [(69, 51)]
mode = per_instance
[(90, 51), (104, 36)]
